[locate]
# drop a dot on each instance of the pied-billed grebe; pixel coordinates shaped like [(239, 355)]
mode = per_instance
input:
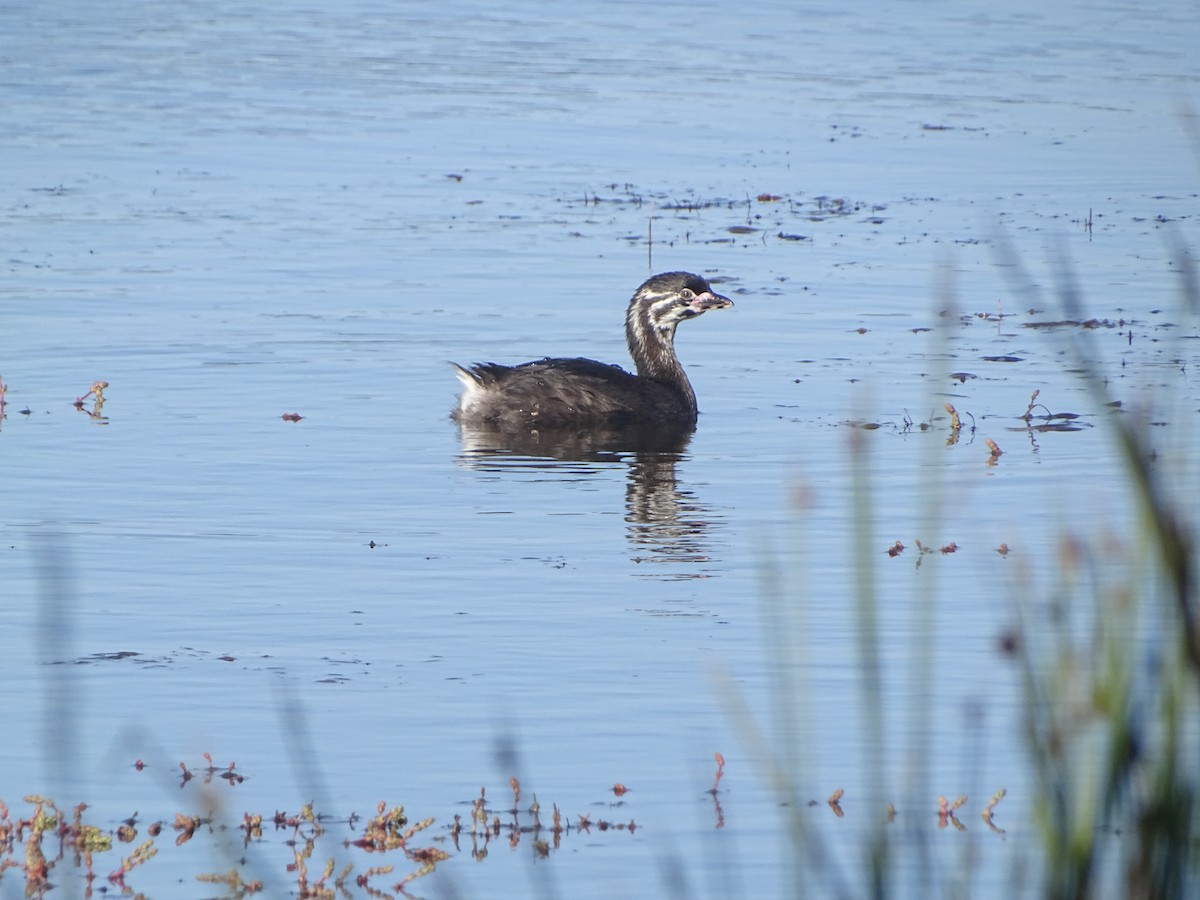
[(558, 393)]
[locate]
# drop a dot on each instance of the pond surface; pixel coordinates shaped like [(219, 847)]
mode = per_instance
[(232, 213)]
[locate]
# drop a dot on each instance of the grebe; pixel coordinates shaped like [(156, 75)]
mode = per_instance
[(564, 393)]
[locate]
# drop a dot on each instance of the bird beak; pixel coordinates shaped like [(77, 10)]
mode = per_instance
[(708, 300)]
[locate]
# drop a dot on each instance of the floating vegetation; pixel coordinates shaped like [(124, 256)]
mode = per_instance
[(955, 421), (766, 214), (1043, 421), (46, 839), (96, 394), (1048, 421), (990, 809), (1074, 323)]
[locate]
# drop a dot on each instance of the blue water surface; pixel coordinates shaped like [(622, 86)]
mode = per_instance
[(230, 212)]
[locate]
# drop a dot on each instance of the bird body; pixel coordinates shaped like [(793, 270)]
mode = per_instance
[(573, 393)]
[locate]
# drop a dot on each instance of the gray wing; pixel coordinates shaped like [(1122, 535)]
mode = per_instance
[(560, 391)]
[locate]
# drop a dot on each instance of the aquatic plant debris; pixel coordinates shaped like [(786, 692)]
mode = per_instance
[(96, 393), (990, 809), (44, 836), (834, 802)]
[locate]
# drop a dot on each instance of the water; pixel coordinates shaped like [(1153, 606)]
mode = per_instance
[(233, 212)]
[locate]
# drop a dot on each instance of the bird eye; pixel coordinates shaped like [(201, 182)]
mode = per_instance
[(686, 294)]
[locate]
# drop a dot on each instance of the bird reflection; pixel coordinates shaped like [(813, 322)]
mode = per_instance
[(664, 523)]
